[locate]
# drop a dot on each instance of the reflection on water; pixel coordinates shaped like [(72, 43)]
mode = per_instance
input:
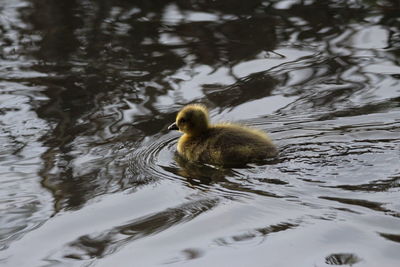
[(88, 171), (342, 259)]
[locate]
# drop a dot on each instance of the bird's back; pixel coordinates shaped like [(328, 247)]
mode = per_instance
[(229, 144)]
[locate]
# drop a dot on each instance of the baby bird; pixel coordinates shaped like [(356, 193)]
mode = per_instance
[(224, 144)]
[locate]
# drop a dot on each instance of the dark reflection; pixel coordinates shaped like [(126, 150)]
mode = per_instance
[(56, 23), (342, 259), (366, 109), (391, 237), (272, 181), (261, 232), (228, 42), (201, 176), (373, 186), (253, 87), (92, 247), (363, 203), (191, 253), (107, 242)]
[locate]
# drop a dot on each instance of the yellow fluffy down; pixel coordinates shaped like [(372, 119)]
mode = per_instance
[(219, 144)]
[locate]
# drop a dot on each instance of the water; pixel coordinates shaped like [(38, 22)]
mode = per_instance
[(88, 172)]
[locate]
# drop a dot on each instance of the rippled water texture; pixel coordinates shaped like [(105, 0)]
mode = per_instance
[(88, 170)]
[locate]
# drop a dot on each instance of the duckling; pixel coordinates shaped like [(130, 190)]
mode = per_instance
[(219, 144)]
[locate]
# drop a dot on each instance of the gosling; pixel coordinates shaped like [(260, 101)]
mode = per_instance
[(223, 144)]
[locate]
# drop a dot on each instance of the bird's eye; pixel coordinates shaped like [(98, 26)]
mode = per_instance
[(182, 120)]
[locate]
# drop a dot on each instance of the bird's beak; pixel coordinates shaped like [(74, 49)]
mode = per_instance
[(173, 127)]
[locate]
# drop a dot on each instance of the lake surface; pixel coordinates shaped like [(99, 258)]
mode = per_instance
[(88, 171)]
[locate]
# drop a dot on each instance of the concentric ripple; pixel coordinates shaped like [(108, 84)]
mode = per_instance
[(147, 161)]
